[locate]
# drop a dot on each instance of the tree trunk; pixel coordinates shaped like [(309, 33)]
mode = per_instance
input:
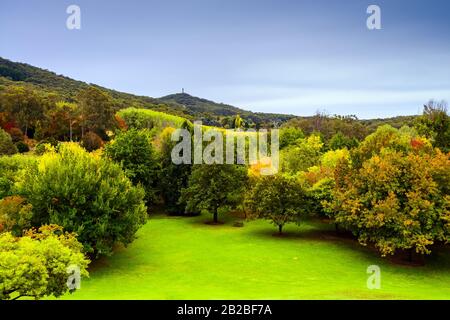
[(336, 227), (280, 228), (70, 130), (215, 216)]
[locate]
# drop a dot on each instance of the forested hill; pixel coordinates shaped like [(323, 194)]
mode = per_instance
[(179, 104)]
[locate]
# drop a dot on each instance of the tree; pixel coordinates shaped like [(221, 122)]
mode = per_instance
[(36, 265), (24, 104), (214, 187), (303, 154), (7, 147), (435, 124), (340, 141), (97, 110), (172, 177), (133, 150), (278, 198), (396, 200), (289, 135), (85, 194)]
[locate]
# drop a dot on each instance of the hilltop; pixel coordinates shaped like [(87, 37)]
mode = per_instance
[(181, 104)]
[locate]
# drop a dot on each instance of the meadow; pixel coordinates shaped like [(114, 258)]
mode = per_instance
[(184, 258)]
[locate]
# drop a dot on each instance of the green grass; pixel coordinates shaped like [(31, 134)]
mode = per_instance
[(183, 258)]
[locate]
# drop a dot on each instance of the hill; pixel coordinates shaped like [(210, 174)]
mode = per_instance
[(180, 104)]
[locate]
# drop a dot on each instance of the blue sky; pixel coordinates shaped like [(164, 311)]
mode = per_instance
[(270, 56)]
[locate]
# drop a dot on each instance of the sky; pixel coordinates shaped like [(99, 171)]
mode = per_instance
[(294, 57)]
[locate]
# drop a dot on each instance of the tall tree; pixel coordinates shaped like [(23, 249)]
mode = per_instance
[(97, 110)]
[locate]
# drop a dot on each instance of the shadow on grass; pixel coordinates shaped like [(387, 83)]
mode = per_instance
[(439, 260)]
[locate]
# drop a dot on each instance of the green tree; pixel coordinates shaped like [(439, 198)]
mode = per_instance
[(134, 151), (303, 154), (85, 194), (340, 141), (172, 177), (36, 265), (214, 187), (289, 135), (278, 198)]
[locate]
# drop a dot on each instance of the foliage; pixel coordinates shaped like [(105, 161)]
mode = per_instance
[(85, 194), (91, 141), (16, 135), (214, 187), (15, 215), (133, 150), (172, 177), (36, 264), (7, 147), (303, 154), (11, 172), (22, 147), (387, 137), (278, 198), (435, 124), (97, 110), (340, 141), (149, 119), (289, 135), (396, 200)]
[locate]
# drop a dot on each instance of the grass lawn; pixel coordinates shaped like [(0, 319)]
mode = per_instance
[(183, 258)]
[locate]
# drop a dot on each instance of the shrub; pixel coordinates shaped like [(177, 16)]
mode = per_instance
[(133, 150), (16, 135), (7, 147), (85, 194), (15, 215), (22, 147), (36, 265), (11, 172), (91, 141)]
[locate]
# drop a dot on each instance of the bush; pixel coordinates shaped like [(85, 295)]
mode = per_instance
[(85, 194), (91, 141), (133, 150), (22, 147), (15, 215), (7, 146), (16, 135), (11, 172), (36, 265)]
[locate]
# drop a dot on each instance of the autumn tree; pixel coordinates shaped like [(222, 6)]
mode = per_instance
[(435, 124), (24, 104), (97, 110), (397, 200)]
